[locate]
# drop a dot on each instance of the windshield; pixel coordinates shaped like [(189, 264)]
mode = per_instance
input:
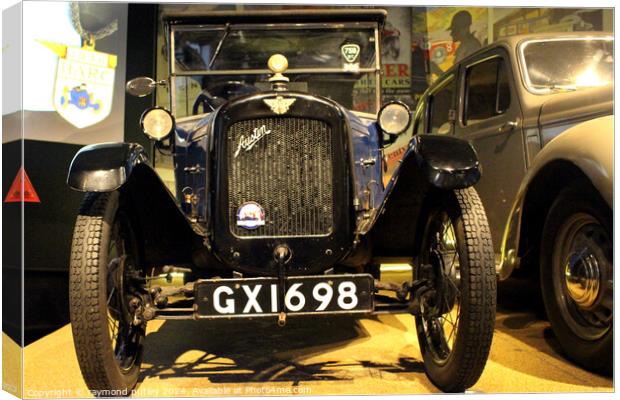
[(567, 64), (337, 61)]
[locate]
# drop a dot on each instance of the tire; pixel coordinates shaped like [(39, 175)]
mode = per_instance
[(462, 255), (108, 345), (579, 230)]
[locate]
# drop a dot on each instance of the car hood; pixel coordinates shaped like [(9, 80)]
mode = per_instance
[(578, 105)]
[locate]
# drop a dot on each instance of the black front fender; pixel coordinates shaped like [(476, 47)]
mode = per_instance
[(432, 165), (446, 162), (104, 167)]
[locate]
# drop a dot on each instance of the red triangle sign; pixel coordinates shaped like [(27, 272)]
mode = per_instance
[(15, 192)]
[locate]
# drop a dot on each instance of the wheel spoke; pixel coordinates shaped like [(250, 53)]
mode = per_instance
[(110, 296), (451, 317), (453, 263), (124, 339), (442, 330), (452, 331), (113, 325), (458, 314)]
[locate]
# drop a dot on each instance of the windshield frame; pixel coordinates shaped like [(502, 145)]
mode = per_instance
[(173, 73), (523, 65)]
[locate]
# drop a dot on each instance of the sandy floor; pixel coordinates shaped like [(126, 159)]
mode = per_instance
[(314, 356)]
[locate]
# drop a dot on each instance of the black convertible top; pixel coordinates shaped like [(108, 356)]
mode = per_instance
[(273, 16)]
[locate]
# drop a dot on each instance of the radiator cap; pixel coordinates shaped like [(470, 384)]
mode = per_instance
[(278, 64)]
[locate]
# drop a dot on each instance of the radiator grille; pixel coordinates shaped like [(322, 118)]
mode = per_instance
[(288, 171)]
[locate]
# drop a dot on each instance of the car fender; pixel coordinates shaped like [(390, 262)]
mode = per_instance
[(430, 161), (446, 161), (104, 167), (588, 147), (108, 167)]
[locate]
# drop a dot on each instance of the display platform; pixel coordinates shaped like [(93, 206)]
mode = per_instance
[(325, 356)]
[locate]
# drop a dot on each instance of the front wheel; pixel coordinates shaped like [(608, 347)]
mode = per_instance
[(105, 288), (457, 311), (577, 276)]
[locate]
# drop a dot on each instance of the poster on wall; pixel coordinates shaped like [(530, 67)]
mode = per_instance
[(534, 20), (396, 56), (453, 34), (419, 54)]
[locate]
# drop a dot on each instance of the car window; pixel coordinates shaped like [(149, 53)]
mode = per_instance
[(487, 91), (440, 104), (561, 64), (248, 47), (335, 60)]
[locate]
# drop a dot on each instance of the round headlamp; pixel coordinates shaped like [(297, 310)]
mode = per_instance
[(157, 123), (394, 118)]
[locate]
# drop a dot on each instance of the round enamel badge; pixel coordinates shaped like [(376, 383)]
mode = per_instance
[(250, 215)]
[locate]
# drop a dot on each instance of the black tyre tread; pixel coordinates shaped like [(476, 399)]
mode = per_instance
[(90, 339), (83, 294), (477, 320), (482, 283)]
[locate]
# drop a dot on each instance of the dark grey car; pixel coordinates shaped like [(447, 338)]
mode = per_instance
[(539, 112)]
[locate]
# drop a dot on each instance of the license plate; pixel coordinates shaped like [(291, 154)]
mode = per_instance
[(256, 297)]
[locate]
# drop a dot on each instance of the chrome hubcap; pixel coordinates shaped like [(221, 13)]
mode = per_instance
[(583, 277)]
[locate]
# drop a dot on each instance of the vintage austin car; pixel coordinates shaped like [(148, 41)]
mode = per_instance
[(283, 207), (538, 111)]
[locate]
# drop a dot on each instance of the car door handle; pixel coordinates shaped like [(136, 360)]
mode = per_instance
[(509, 126)]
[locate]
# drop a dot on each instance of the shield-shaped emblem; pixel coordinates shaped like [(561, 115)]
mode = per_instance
[(84, 84), (350, 52)]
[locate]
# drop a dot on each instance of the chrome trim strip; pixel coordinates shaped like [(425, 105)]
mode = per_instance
[(377, 68), (360, 14), (314, 25), (274, 26), (171, 61), (171, 50), (173, 95), (268, 72)]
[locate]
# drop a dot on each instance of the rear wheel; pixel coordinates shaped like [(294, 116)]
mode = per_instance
[(577, 276), (104, 296), (457, 311)]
